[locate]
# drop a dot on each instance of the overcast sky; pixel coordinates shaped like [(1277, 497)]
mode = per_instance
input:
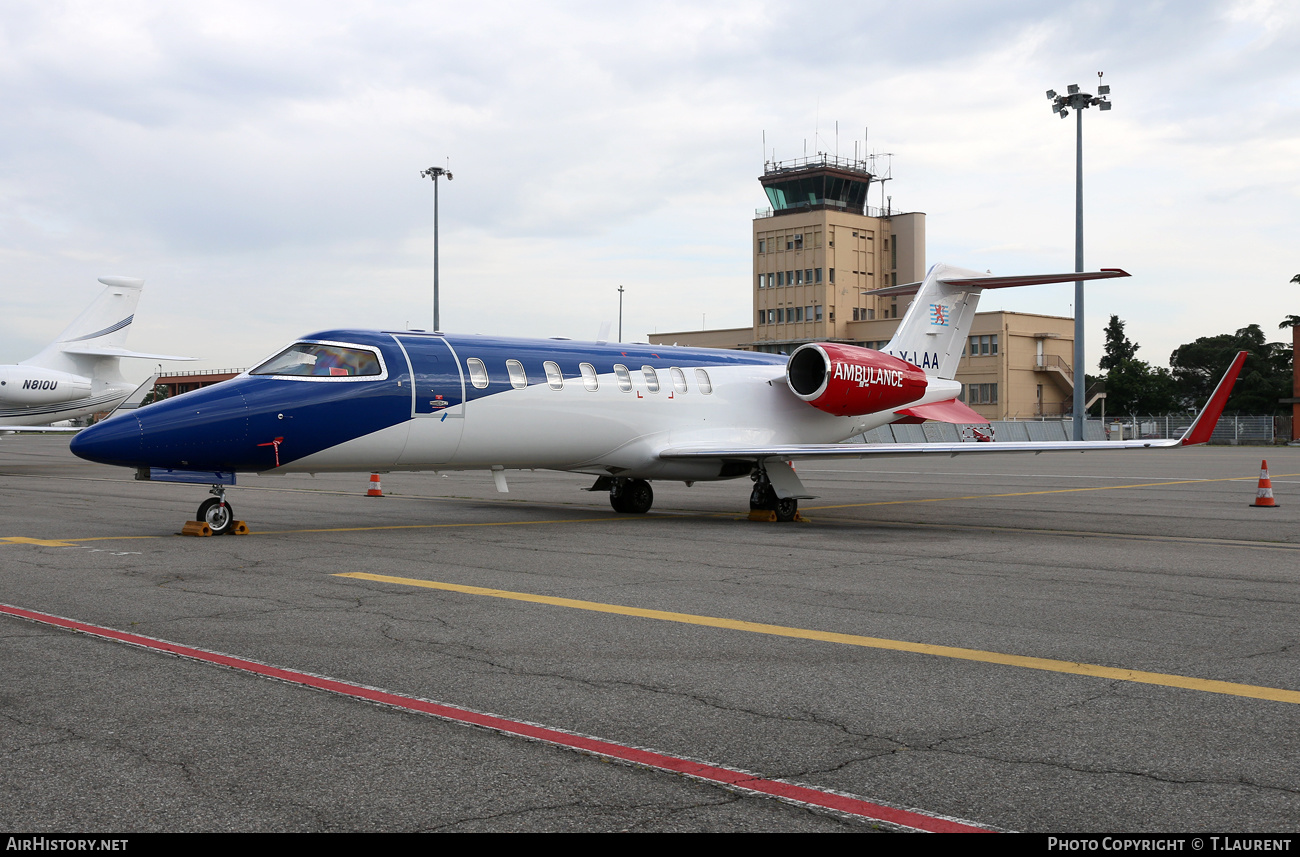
[(258, 163)]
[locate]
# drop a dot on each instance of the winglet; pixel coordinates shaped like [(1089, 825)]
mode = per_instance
[(1208, 418)]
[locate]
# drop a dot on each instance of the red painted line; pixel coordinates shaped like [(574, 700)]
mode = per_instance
[(731, 777)]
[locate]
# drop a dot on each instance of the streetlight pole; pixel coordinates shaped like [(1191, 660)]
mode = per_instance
[(434, 173), (620, 313), (1061, 105)]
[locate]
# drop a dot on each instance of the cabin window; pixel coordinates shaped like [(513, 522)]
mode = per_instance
[(518, 377), (318, 360), (702, 381), (679, 379), (554, 376), (651, 378), (624, 377), (477, 372), (589, 376)]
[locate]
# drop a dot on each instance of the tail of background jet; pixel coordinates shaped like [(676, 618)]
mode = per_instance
[(93, 342), (933, 331)]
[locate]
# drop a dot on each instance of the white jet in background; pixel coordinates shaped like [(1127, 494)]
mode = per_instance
[(79, 373)]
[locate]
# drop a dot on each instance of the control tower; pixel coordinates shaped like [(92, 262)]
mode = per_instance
[(819, 246)]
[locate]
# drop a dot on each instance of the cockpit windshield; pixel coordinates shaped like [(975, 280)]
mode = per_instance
[(324, 361)]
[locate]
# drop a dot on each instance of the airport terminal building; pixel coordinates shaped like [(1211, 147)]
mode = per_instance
[(818, 249)]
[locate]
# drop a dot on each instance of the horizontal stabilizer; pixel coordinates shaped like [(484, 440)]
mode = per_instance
[(950, 411), (118, 351), (1005, 282)]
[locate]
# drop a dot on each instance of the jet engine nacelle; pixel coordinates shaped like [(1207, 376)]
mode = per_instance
[(847, 381), (32, 385)]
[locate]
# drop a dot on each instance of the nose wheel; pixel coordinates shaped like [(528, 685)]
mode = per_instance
[(217, 513)]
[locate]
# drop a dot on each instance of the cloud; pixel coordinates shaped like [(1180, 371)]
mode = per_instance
[(259, 164)]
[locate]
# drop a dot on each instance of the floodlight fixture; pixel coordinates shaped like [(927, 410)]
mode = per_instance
[(1061, 105)]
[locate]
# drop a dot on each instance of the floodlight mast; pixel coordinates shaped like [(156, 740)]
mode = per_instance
[(434, 173), (1061, 105)]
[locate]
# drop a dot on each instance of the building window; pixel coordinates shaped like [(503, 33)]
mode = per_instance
[(798, 278), (984, 346), (789, 278), (760, 245), (830, 272), (762, 316), (808, 276), (780, 278), (771, 280), (589, 379), (818, 272), (554, 376), (983, 394), (518, 377), (477, 372), (855, 314), (798, 313), (819, 312), (624, 377), (798, 242)]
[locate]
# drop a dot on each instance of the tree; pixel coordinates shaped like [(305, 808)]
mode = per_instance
[(1118, 348), (1133, 386), (1266, 377), (1291, 320)]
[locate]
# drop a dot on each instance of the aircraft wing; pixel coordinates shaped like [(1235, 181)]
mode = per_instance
[(1199, 432), (40, 429)]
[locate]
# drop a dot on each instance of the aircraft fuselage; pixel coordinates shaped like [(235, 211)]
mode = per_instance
[(444, 402)]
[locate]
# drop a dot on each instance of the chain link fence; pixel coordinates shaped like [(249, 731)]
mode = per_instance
[(1232, 430)]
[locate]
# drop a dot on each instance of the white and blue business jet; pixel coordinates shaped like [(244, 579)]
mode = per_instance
[(378, 401)]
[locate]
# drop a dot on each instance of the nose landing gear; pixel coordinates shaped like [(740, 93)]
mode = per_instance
[(220, 515)]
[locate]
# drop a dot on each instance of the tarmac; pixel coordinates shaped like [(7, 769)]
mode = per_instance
[(1104, 642)]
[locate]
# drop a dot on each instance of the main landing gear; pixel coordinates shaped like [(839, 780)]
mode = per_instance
[(631, 496), (216, 512), (763, 498)]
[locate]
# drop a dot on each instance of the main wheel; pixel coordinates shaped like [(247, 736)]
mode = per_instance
[(786, 509), (636, 498), (217, 514)]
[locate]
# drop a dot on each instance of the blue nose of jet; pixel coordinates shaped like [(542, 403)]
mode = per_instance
[(114, 441)]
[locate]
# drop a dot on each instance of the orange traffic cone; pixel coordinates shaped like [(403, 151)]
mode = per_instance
[(376, 490), (1264, 497)]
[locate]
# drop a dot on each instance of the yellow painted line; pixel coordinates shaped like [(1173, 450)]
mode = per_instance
[(1080, 534), (610, 519), (1047, 664), (62, 543), (1033, 493), (45, 543)]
